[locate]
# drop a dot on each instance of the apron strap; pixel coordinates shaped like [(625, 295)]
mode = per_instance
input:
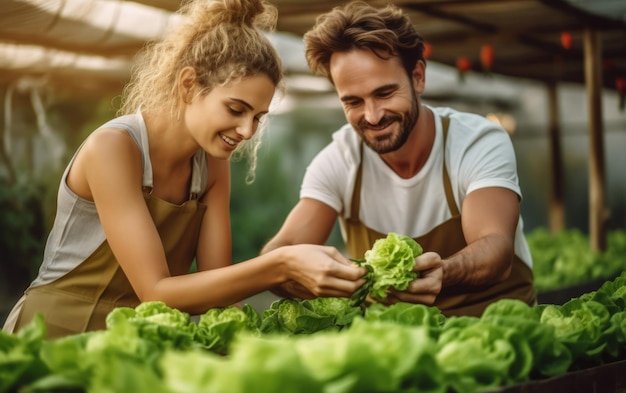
[(199, 160), (355, 204), (145, 152), (198, 168), (447, 185)]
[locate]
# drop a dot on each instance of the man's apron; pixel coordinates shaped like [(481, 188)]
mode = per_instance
[(445, 239)]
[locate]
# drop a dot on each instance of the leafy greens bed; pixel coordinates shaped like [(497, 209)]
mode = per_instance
[(321, 345), (565, 258), (336, 345)]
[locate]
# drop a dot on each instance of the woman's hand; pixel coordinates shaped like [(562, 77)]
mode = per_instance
[(320, 271)]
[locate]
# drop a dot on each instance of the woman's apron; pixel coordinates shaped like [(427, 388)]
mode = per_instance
[(81, 299), (445, 239)]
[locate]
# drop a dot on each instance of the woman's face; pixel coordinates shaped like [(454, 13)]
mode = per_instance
[(229, 115)]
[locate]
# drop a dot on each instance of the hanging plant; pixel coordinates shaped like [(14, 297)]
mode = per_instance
[(486, 57), (566, 39), (463, 64)]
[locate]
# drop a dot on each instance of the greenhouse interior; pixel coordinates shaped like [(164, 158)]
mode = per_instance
[(551, 73)]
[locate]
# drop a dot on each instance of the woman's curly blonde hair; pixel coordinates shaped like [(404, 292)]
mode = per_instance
[(222, 40)]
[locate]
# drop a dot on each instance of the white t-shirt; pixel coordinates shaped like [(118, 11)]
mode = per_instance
[(479, 154)]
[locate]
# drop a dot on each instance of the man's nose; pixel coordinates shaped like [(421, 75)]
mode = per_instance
[(373, 112)]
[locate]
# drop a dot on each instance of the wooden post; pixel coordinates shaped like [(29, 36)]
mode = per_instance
[(593, 80), (556, 210)]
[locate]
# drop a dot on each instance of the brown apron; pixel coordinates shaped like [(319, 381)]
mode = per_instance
[(445, 239), (80, 300)]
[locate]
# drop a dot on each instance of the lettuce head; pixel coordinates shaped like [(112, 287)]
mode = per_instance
[(391, 261)]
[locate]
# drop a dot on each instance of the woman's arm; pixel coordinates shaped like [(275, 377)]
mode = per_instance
[(309, 222), (109, 170), (215, 245), (322, 270)]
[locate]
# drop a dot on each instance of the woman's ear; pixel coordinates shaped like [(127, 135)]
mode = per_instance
[(186, 84)]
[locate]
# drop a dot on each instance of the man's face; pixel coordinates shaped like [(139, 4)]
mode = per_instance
[(379, 99)]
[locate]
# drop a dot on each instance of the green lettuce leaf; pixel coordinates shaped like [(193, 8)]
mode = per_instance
[(218, 326), (390, 262)]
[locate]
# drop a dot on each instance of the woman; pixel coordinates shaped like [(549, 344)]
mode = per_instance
[(149, 191)]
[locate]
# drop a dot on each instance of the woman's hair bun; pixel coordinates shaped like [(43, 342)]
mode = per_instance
[(254, 13)]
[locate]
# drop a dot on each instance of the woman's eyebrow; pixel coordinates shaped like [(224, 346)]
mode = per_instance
[(242, 102)]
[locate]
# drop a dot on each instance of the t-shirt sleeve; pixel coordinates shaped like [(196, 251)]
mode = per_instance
[(325, 177), (489, 161)]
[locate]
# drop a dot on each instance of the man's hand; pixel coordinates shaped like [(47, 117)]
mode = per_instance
[(426, 288)]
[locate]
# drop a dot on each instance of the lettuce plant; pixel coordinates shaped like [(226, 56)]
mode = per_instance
[(390, 262)]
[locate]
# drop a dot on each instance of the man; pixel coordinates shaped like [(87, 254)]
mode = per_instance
[(446, 178)]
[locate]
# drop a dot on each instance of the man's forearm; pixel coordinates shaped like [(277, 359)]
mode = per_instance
[(484, 262)]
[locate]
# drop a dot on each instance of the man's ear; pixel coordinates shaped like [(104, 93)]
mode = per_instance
[(419, 76), (186, 84)]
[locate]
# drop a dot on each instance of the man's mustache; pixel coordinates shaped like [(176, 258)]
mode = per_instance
[(384, 122)]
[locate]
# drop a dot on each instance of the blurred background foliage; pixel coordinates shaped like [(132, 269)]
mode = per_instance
[(22, 231)]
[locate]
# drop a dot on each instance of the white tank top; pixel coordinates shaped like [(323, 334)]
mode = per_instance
[(77, 231)]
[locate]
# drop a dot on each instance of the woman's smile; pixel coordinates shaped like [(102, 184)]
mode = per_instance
[(228, 140)]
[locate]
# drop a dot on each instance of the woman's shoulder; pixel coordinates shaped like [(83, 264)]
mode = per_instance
[(110, 147), (118, 135)]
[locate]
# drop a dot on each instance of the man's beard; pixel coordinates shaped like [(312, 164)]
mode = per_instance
[(397, 139)]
